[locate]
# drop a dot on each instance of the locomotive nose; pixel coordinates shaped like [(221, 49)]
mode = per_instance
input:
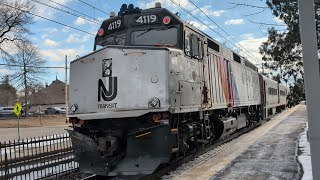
[(117, 83)]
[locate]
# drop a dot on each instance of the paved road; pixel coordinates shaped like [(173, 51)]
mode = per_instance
[(272, 157), (7, 134)]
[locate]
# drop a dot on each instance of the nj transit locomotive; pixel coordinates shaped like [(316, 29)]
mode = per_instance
[(155, 88)]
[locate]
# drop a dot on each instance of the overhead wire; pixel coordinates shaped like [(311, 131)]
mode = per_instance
[(266, 24), (73, 10), (201, 22), (251, 55), (49, 19), (67, 12), (45, 67), (209, 27), (93, 7)]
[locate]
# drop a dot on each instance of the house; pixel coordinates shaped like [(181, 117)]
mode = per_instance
[(52, 95)]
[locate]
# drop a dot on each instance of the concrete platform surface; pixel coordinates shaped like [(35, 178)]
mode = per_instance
[(218, 162), (274, 156)]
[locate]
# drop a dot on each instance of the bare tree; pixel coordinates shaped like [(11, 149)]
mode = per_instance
[(27, 57), (13, 21), (8, 94)]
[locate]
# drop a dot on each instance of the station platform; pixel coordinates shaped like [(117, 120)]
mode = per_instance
[(270, 151), (274, 156)]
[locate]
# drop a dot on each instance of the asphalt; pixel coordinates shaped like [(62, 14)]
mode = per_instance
[(274, 156)]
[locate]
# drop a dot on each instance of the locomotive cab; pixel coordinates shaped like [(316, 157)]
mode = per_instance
[(136, 27)]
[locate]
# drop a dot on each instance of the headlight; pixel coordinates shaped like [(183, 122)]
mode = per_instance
[(106, 67), (107, 63), (74, 108), (153, 102), (107, 72)]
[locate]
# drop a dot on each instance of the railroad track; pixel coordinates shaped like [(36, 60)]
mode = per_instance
[(52, 156), (202, 150)]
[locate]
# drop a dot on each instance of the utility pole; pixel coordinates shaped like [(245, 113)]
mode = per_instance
[(66, 88), (311, 78)]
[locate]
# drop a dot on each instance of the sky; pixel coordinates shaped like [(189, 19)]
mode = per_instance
[(55, 41)]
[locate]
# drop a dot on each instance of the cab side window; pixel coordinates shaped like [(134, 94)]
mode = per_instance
[(187, 43), (193, 45)]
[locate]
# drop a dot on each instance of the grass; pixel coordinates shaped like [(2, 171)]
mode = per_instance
[(48, 120)]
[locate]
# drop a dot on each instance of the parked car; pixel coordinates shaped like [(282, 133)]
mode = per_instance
[(38, 113), (54, 110), (6, 111), (34, 113)]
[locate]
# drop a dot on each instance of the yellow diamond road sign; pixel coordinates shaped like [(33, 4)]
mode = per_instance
[(17, 109)]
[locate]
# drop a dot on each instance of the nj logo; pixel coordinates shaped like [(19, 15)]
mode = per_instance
[(110, 93)]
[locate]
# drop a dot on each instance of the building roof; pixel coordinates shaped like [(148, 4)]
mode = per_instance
[(52, 94)]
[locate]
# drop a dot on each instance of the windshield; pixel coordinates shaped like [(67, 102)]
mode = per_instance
[(155, 37), (114, 39)]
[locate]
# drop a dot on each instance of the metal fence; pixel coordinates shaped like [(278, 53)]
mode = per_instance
[(37, 158)]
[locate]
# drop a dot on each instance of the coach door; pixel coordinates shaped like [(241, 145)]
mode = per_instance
[(190, 84), (207, 81)]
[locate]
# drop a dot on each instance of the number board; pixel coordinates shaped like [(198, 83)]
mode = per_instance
[(115, 25), (146, 19)]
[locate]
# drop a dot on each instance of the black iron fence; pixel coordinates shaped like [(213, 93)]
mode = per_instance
[(37, 158)]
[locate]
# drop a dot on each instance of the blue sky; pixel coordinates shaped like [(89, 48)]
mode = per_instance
[(55, 41)]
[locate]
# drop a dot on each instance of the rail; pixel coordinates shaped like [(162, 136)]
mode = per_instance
[(37, 158)]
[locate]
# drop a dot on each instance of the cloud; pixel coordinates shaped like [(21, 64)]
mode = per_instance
[(252, 45), (46, 11), (80, 21), (76, 38), (48, 32), (51, 30), (247, 36), (43, 36), (216, 13), (59, 54), (209, 11), (51, 43), (278, 20), (66, 29), (6, 71), (167, 4), (234, 22), (186, 4), (199, 25)]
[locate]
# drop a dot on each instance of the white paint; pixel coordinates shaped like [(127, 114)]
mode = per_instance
[(305, 156)]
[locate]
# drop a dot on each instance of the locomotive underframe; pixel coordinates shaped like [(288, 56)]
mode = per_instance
[(131, 146)]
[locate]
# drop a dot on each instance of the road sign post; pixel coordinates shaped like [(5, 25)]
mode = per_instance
[(311, 78), (18, 128), (17, 110)]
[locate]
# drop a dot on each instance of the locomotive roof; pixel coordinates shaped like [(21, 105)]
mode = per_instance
[(163, 12)]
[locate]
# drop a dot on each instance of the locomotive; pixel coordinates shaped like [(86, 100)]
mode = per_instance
[(156, 88)]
